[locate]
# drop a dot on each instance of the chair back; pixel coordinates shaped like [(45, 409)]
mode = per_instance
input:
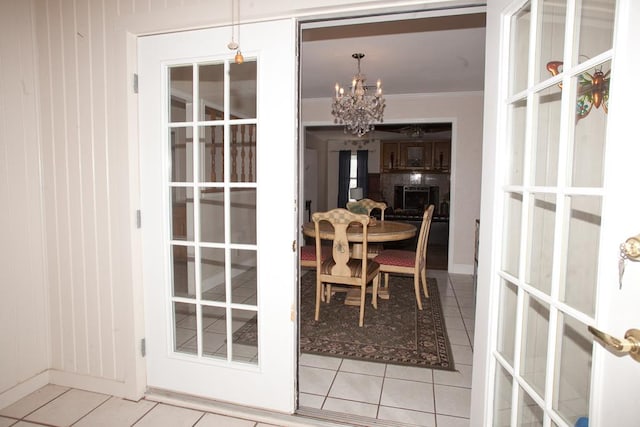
[(368, 205), (423, 237), (340, 219)]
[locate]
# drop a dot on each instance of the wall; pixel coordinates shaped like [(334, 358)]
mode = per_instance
[(24, 338), (70, 155), (464, 110)]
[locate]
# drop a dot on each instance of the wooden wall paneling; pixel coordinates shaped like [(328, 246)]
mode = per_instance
[(46, 77), (104, 282), (84, 50), (74, 201), (23, 322)]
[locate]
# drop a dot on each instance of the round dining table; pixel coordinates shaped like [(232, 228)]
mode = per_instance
[(380, 231)]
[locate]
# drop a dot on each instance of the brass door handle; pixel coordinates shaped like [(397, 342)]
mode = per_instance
[(631, 248), (630, 344)]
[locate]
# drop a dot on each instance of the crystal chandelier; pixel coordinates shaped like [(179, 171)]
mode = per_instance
[(359, 108)]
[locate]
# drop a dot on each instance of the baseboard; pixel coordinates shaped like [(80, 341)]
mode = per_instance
[(17, 392), (461, 269), (94, 384)]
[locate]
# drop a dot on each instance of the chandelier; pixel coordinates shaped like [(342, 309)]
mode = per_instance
[(359, 108)]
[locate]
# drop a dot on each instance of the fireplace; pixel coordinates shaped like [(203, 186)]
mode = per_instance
[(415, 198)]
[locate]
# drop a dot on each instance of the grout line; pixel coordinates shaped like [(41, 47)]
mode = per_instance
[(147, 412)]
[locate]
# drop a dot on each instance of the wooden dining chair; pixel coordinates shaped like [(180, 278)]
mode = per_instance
[(340, 268), (398, 261), (366, 206)]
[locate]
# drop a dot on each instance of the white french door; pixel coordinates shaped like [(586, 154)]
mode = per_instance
[(563, 197), (218, 184)]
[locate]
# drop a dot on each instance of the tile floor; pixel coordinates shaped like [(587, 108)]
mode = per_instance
[(407, 395), (390, 394)]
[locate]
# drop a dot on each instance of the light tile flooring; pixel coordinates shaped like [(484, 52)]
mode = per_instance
[(407, 395), (393, 395)]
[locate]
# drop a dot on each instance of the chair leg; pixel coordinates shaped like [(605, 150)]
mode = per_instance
[(374, 294), (363, 293), (386, 281), (318, 298), (423, 275), (327, 292), (416, 285)]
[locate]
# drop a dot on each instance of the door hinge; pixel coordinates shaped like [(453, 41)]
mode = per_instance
[(135, 82), (139, 218), (143, 347), (293, 313), (294, 245)]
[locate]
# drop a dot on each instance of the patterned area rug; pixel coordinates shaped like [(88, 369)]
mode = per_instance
[(396, 333)]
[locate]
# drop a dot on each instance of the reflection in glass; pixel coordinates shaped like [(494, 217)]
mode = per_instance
[(245, 339), (183, 271), (185, 327), (211, 91), (511, 233), (535, 331), (529, 413), (242, 89), (579, 286), (502, 398), (546, 140), (540, 247), (243, 153), (518, 123), (214, 335), (573, 377), (520, 23), (243, 215), (590, 130), (212, 274), (244, 283), (551, 42), (212, 215), (507, 320), (181, 154), (595, 32), (180, 90), (211, 154), (182, 213)]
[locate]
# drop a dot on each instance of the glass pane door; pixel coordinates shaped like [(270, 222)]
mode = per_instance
[(213, 244), (557, 108), (218, 217)]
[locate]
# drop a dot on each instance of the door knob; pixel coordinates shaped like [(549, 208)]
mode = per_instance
[(630, 344), (631, 248)]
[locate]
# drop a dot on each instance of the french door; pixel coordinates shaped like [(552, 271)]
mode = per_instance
[(218, 185), (565, 198)]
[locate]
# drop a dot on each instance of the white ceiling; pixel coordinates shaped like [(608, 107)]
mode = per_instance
[(425, 55)]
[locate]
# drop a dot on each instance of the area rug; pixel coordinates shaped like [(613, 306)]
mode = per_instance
[(396, 333)]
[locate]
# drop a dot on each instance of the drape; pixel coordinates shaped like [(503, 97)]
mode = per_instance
[(363, 172), (344, 170)]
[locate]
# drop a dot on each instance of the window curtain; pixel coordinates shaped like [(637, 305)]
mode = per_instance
[(363, 172), (344, 170)]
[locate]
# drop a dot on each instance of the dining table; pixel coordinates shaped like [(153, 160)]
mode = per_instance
[(377, 231)]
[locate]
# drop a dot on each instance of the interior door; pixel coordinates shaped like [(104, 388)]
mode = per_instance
[(218, 183), (561, 199)]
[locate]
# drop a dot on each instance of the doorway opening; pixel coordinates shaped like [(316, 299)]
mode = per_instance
[(434, 110)]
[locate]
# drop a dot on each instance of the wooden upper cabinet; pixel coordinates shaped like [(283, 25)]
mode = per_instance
[(442, 155), (433, 156)]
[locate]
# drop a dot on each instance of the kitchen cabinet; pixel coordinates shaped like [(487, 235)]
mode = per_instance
[(420, 156)]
